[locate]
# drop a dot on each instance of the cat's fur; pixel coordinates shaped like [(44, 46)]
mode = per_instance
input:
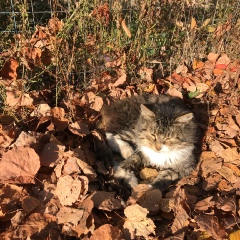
[(161, 129)]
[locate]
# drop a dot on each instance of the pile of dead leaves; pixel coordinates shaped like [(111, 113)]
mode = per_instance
[(51, 179)]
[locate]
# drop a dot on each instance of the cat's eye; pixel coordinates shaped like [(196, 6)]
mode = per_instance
[(153, 135)]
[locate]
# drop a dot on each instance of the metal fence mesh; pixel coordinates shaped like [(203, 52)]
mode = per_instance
[(12, 12)]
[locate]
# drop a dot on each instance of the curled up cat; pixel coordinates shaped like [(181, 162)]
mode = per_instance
[(151, 131)]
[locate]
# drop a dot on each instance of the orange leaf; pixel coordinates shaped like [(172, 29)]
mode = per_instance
[(220, 66), (9, 69), (197, 64)]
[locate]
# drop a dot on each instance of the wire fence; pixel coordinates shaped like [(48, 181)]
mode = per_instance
[(39, 12)]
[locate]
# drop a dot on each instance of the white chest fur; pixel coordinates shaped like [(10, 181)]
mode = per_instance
[(166, 157)]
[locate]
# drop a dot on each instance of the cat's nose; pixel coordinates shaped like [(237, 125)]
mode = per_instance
[(158, 146)]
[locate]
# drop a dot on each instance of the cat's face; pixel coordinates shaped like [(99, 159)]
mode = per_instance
[(160, 133)]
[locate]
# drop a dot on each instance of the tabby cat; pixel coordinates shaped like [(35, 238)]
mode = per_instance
[(159, 128)]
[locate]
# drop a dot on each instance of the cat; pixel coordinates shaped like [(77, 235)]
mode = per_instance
[(158, 130)]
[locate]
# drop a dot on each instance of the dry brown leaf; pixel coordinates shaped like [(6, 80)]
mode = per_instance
[(234, 235), (210, 224), (9, 69), (211, 182), (125, 28), (204, 204), (238, 119), (181, 69), (85, 225), (151, 200), (229, 155), (58, 112), (234, 168), (167, 204), (181, 221), (70, 166), (197, 64), (55, 25), (29, 203), (137, 223), (146, 74), (106, 200), (60, 123), (72, 189), (92, 101), (174, 92), (121, 80), (228, 174), (87, 169), (19, 165), (107, 232), (34, 224), (224, 59), (209, 163), (213, 57), (226, 204), (146, 197), (27, 139), (51, 154), (43, 109), (79, 128), (69, 215), (16, 98)]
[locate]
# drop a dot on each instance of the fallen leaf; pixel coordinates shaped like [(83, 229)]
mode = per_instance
[(17, 98), (85, 224), (29, 203), (87, 169), (43, 109), (72, 189), (58, 112), (34, 224), (210, 224), (174, 92), (181, 221), (226, 204), (121, 80), (204, 204), (107, 232), (9, 69), (146, 197), (70, 166), (167, 204), (79, 128), (137, 223), (69, 215), (234, 235), (224, 59), (146, 74), (106, 200), (19, 165), (209, 163), (197, 64), (51, 154)]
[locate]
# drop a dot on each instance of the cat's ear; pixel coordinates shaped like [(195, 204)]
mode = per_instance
[(146, 112), (185, 118)]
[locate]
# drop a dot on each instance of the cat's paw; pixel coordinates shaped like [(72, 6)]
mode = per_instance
[(127, 176), (134, 161), (165, 178)]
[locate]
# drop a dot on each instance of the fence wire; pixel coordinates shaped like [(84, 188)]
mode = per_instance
[(38, 12)]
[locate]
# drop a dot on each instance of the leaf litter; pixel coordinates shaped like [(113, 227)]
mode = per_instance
[(53, 184)]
